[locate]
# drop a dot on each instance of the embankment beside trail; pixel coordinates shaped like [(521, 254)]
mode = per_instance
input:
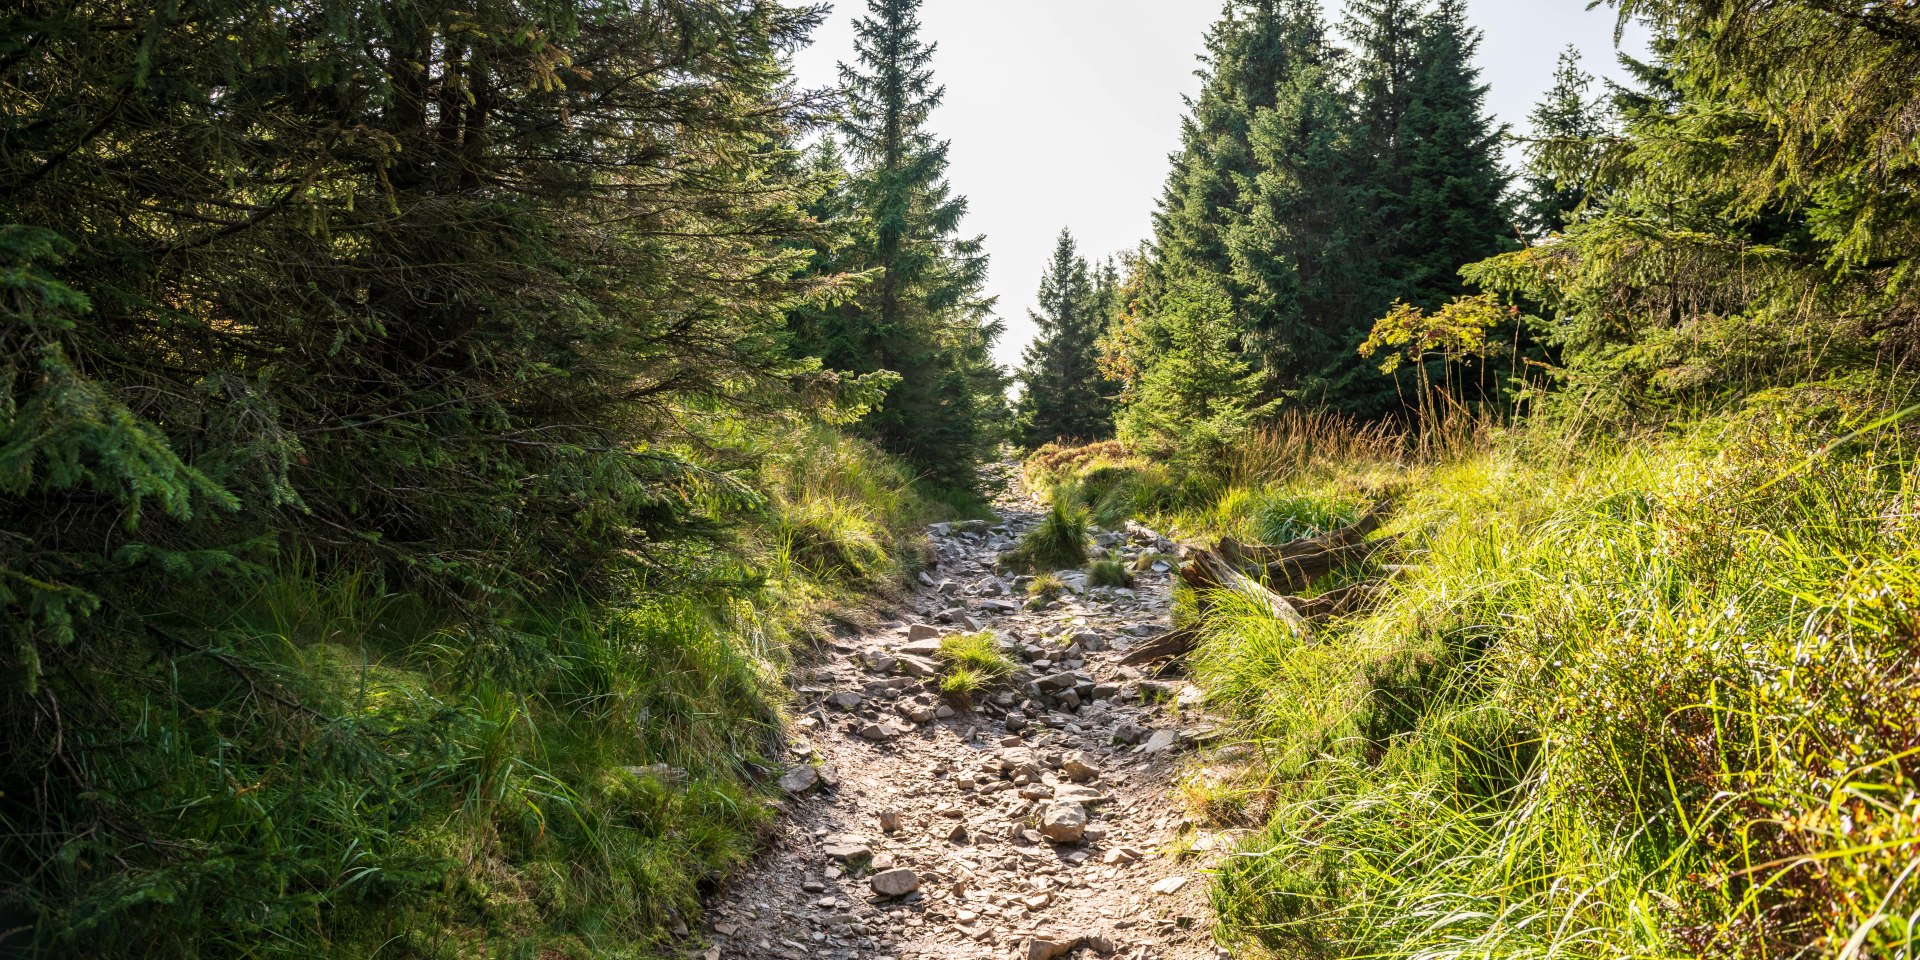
[(1652, 696)]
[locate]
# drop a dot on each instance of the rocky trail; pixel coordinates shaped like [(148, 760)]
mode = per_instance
[(1039, 821)]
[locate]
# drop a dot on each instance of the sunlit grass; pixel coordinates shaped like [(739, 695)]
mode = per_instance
[(1058, 542), (1644, 698)]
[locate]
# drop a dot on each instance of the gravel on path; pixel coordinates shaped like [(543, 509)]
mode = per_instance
[(1037, 822)]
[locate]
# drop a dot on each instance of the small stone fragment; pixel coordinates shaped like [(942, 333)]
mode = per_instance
[(847, 847), (1043, 949), (1169, 885), (1058, 681), (1161, 741), (922, 631), (1080, 766)]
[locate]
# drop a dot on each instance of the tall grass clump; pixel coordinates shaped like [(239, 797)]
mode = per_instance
[(972, 662), (1108, 573), (1057, 542), (1652, 698), (838, 508)]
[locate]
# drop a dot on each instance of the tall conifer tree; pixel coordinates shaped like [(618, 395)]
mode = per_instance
[(1567, 124), (1296, 252), (1456, 186), (1063, 396), (924, 316)]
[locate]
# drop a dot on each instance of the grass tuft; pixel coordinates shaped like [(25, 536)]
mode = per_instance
[(1109, 573), (1058, 542), (972, 662)]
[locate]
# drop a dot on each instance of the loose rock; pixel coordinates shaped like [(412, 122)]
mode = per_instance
[(1064, 822), (894, 883)]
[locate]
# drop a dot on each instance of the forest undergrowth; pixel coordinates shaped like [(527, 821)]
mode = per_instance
[(1649, 695), (330, 768)]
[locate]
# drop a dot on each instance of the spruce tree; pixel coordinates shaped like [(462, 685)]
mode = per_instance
[(1296, 252), (1566, 126), (924, 316), (1248, 56), (1434, 187), (1456, 186), (1062, 396), (1190, 387)]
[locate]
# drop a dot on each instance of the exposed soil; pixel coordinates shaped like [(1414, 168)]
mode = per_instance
[(921, 828)]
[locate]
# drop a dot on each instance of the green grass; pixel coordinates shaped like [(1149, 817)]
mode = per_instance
[(1044, 589), (1642, 698), (327, 767), (1109, 573), (1058, 542), (972, 663)]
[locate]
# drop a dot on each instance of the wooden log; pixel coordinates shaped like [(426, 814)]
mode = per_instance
[(1254, 556), (1174, 643), (1207, 570), (1342, 602), (1295, 573)]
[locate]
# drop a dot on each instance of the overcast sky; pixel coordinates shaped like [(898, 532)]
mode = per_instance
[(1063, 112)]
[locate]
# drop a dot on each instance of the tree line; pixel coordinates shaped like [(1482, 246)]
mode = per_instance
[(1339, 231)]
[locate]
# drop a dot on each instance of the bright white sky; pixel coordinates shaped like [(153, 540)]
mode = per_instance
[(1064, 112)]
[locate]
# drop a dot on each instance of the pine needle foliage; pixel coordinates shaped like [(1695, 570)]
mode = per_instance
[(383, 395), (921, 319)]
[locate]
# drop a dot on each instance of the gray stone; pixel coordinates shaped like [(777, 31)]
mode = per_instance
[(800, 780), (894, 883), (922, 631), (920, 667), (847, 846), (1080, 766), (1058, 681), (1064, 822), (1040, 948), (919, 648), (1161, 741), (845, 700)]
